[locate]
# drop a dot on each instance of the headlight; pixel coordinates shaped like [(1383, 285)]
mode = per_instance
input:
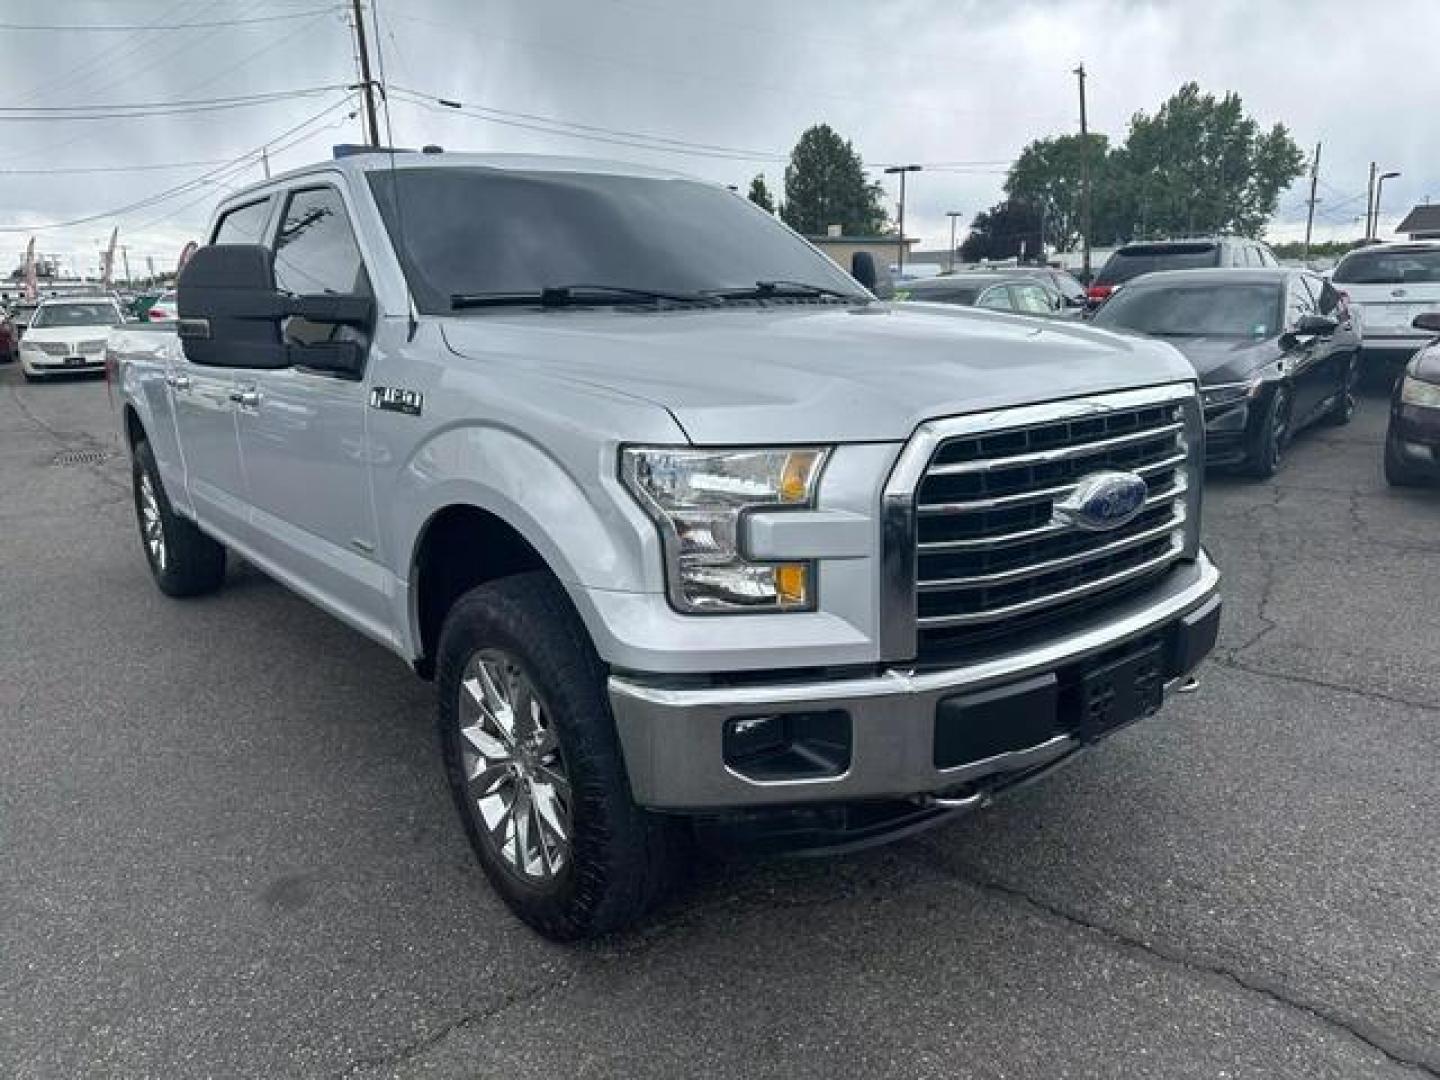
[(1415, 392), (699, 499), (1223, 394)]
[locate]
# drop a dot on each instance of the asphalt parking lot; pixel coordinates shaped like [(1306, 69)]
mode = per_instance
[(226, 848)]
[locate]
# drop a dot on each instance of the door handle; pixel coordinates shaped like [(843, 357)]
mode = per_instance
[(177, 382), (246, 398)]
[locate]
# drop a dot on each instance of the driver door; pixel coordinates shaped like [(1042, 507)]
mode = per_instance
[(302, 431)]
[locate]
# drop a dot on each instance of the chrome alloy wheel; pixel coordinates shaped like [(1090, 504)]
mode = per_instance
[(514, 771), (152, 527)]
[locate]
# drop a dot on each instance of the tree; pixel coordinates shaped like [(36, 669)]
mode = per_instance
[(1199, 164), (760, 194), (1005, 231), (825, 185), (1046, 176)]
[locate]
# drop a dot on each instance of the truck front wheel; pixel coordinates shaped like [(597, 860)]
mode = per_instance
[(183, 560), (535, 765)]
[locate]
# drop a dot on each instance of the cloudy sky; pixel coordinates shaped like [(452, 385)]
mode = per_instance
[(719, 90)]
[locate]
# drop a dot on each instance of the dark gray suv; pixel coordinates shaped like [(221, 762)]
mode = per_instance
[(1132, 260)]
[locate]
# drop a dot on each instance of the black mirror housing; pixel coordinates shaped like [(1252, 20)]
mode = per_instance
[(862, 269), (228, 308), (1315, 326), (230, 314), (1429, 320)]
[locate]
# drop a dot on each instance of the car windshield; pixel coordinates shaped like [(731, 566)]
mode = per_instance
[(477, 232), (1388, 268), (97, 314), (1132, 262), (1234, 310)]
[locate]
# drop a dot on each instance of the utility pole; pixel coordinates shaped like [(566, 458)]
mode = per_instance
[(366, 86), (1084, 177), (902, 170), (265, 161), (1370, 203), (1310, 213), (952, 215)]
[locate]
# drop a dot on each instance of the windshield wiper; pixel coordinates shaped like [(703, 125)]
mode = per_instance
[(764, 290), (564, 295)]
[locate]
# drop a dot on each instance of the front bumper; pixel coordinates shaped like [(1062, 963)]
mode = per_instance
[(673, 736), (60, 365), (1415, 434)]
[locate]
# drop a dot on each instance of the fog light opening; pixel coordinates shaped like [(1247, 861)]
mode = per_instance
[(772, 747)]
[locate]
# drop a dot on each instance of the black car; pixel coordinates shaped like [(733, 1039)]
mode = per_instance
[(1412, 443), (995, 290), (1132, 260), (1276, 350)]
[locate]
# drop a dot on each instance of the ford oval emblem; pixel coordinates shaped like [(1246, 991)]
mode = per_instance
[(1103, 500)]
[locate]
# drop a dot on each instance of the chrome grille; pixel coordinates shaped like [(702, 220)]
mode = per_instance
[(991, 560)]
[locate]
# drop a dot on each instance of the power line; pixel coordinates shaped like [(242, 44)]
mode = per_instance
[(84, 170), (127, 27), (150, 108), (178, 189)]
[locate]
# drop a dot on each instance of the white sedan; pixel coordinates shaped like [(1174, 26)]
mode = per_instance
[(68, 335)]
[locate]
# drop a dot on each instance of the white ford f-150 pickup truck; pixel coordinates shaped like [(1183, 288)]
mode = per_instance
[(691, 531)]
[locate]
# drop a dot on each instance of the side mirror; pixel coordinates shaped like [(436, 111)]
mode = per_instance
[(1315, 326), (862, 269), (229, 314), (1430, 321)]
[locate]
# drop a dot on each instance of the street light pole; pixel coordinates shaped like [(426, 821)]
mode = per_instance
[(1379, 187), (902, 170), (1370, 202), (952, 215)]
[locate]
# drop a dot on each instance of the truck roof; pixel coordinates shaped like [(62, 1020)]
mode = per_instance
[(380, 160)]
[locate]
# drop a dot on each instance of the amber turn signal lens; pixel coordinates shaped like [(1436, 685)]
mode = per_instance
[(792, 584)]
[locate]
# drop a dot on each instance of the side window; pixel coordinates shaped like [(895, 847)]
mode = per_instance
[(315, 250), (243, 225), (996, 299), (1031, 299), (1298, 302)]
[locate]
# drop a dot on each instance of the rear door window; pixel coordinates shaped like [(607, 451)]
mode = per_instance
[(996, 299), (1031, 299)]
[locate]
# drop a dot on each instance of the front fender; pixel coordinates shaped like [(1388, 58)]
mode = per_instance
[(577, 517)]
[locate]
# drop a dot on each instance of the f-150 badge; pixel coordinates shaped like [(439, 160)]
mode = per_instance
[(396, 399)]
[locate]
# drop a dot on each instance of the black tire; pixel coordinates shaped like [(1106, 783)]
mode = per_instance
[(618, 857), (1398, 471), (1343, 411), (187, 562), (1271, 437)]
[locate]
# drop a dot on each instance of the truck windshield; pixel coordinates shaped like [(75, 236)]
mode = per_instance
[(75, 315), (1250, 311), (471, 232)]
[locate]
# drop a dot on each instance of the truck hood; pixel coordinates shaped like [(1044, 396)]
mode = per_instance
[(817, 372)]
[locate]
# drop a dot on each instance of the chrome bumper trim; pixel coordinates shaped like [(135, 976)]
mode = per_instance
[(672, 737)]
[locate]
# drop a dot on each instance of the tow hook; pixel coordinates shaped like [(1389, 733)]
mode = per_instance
[(978, 801)]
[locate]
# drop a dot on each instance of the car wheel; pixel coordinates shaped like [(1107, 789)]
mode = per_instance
[(1272, 436), (183, 560), (1398, 471), (535, 766)]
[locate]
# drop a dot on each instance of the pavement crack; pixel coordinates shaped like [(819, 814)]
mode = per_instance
[(415, 1047), (1392, 1049), (1230, 660)]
